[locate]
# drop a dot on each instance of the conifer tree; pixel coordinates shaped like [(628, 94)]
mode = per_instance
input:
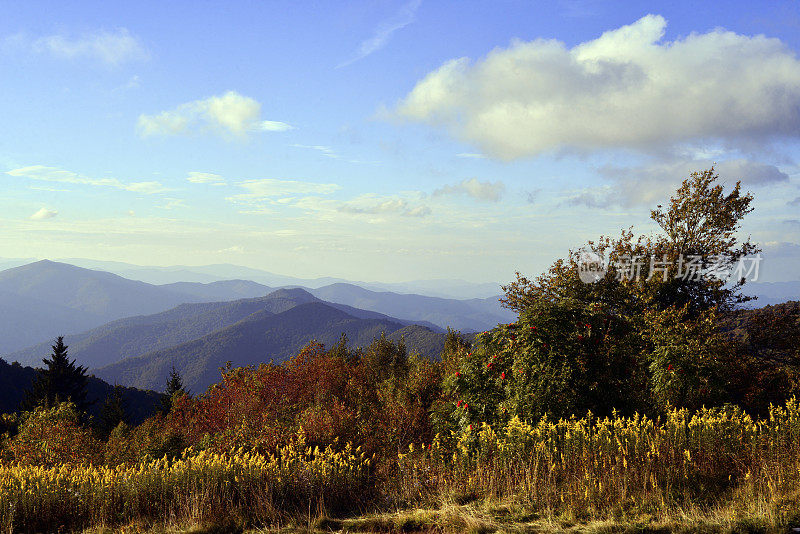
[(60, 381), (174, 387)]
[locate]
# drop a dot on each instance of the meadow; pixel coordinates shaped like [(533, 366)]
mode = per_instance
[(716, 463)]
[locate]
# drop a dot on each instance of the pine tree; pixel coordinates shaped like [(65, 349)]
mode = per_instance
[(174, 387), (60, 381)]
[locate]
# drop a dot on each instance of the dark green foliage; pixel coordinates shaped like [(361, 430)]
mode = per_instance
[(174, 387), (112, 412), (16, 379), (60, 381)]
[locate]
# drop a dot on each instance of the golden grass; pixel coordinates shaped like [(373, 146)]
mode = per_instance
[(712, 471)]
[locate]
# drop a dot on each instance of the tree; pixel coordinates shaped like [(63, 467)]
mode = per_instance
[(174, 387), (702, 222), (658, 323), (60, 381)]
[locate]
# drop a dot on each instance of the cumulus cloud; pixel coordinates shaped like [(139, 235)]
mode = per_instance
[(651, 184), (384, 32), (205, 178), (110, 47), (43, 214), (629, 88), (474, 188), (230, 113), (53, 174)]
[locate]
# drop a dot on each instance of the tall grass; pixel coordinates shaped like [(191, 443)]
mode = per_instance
[(590, 469), (601, 468), (197, 487)]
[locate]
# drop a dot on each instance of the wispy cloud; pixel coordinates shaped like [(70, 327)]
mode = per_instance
[(43, 214), (470, 155), (173, 203), (273, 191), (53, 174), (369, 204), (384, 32), (474, 188), (110, 47), (647, 184), (205, 178), (326, 151), (230, 113)]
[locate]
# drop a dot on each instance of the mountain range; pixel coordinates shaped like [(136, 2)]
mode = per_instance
[(41, 300), (196, 337), (445, 288), (261, 337)]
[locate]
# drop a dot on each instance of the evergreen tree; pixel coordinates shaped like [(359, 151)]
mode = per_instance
[(60, 381), (174, 387), (113, 412)]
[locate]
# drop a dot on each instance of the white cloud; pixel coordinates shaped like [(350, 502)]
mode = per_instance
[(147, 188), (366, 204), (230, 113), (272, 191), (43, 214), (474, 188), (274, 126), (205, 178), (110, 47), (626, 89), (370, 204), (173, 203), (384, 32), (324, 150), (470, 155), (53, 174)]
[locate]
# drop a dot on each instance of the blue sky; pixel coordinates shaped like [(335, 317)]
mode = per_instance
[(386, 140)]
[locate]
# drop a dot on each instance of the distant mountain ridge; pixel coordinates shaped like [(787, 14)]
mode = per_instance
[(135, 336), (465, 315), (259, 338)]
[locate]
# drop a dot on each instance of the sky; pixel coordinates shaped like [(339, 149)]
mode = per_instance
[(387, 140)]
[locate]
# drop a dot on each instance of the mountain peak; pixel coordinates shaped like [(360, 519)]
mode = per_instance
[(293, 293)]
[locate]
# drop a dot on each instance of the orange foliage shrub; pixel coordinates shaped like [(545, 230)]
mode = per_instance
[(53, 436)]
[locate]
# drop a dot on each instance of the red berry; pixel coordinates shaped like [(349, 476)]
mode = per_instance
[(669, 367), (502, 376)]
